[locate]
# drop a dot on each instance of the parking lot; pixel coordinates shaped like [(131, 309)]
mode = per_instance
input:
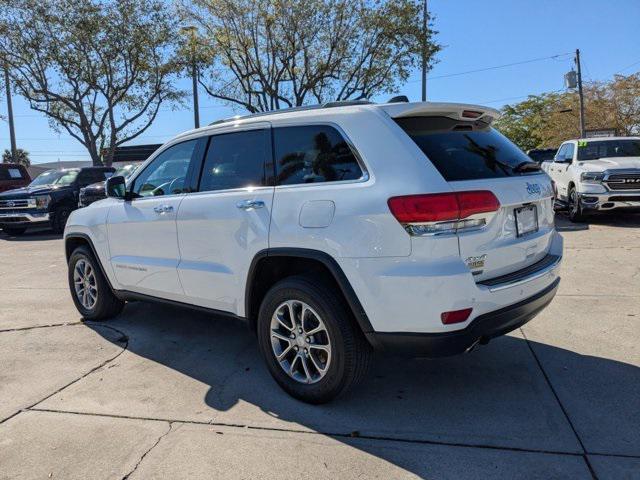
[(161, 392)]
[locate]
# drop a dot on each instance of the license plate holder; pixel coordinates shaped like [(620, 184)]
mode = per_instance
[(526, 220)]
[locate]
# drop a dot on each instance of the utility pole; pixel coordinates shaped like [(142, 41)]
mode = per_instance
[(580, 95), (424, 51), (12, 132), (192, 31)]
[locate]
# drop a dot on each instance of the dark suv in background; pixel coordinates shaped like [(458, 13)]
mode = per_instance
[(95, 191), (48, 200), (13, 176)]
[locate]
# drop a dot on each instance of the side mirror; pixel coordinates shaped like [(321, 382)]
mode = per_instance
[(116, 187)]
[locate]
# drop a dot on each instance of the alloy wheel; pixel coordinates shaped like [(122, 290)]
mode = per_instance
[(300, 342), (84, 280)]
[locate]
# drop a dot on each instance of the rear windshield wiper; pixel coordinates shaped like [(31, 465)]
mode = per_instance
[(527, 166)]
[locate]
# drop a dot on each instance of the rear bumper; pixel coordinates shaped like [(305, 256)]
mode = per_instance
[(482, 329)]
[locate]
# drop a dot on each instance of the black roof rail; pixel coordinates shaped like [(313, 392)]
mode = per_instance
[(341, 103)]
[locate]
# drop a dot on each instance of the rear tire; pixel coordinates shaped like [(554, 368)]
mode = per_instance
[(90, 291), (13, 231), (576, 214), (339, 345), (59, 220)]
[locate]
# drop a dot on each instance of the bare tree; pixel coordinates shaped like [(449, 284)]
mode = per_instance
[(268, 54), (98, 69)]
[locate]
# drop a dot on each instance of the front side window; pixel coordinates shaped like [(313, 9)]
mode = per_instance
[(568, 154), (607, 149), (167, 174), (561, 153), (313, 154), (236, 160)]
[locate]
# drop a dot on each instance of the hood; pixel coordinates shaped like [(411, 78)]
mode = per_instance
[(27, 192), (94, 187), (611, 163)]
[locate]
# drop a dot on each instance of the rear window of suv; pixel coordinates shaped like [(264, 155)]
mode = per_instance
[(10, 173), (463, 150)]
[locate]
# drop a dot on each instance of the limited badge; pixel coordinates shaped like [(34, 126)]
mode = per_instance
[(476, 262)]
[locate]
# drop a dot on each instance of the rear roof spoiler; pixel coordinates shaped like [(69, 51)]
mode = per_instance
[(457, 111)]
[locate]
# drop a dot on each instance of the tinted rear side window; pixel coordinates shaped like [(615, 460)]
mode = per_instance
[(236, 160), (313, 154), (465, 150)]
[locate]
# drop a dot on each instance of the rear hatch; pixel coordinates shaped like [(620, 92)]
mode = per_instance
[(473, 157)]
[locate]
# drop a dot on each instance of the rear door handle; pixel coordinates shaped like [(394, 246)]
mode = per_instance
[(250, 204), (163, 209)]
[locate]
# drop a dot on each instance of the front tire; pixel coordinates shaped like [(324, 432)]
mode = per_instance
[(576, 213), (310, 341), (59, 220), (90, 291)]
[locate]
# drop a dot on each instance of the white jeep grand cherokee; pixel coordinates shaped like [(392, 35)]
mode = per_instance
[(333, 230), (597, 174)]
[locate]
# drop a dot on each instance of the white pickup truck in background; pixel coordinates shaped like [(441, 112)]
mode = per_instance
[(597, 174)]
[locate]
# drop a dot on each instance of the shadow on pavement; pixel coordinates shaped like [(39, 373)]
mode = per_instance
[(31, 235), (495, 396), (619, 219)]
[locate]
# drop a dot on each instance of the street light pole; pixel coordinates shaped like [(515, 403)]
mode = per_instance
[(580, 95), (194, 76), (12, 132), (424, 52), (191, 31)]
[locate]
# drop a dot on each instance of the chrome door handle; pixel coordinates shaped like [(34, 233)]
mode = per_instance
[(250, 204), (163, 209)]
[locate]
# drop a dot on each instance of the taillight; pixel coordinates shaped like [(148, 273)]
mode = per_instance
[(443, 212), (472, 203), (425, 208)]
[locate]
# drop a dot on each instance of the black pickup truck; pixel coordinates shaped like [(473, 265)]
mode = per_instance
[(48, 200)]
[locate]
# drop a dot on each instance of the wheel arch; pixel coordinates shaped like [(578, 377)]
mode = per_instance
[(75, 240), (274, 264)]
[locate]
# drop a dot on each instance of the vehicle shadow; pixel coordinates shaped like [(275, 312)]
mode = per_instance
[(621, 220), (495, 396), (31, 235)]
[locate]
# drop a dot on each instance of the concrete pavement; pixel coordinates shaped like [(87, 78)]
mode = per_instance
[(161, 392)]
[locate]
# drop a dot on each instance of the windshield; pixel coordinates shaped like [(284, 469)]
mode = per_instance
[(463, 150), (608, 148), (55, 177), (125, 170)]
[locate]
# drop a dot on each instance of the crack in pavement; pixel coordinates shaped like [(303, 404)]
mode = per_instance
[(148, 450), (123, 338), (564, 411), (332, 434), (19, 329)]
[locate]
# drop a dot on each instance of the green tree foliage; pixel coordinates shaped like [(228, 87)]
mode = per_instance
[(98, 69), (22, 157), (545, 121), (269, 54)]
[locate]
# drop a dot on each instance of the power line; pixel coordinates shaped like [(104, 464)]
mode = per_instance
[(515, 98), (628, 67), (495, 67)]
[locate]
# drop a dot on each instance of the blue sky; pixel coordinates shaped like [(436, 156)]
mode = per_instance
[(475, 33)]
